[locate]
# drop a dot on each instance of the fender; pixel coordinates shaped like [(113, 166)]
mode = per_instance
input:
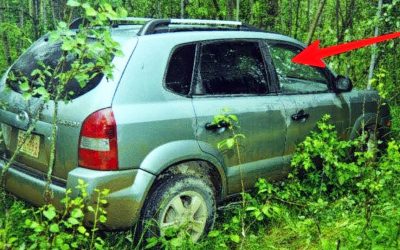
[(172, 153), (363, 120)]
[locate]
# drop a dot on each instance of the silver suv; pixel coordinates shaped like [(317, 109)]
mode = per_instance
[(147, 135)]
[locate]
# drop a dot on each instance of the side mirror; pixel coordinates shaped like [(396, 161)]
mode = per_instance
[(342, 84)]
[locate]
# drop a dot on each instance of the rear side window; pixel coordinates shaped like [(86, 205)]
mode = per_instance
[(48, 53), (180, 70), (233, 67)]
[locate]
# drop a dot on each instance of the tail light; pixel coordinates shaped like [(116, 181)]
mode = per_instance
[(98, 148)]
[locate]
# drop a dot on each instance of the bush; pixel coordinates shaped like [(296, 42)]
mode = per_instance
[(47, 228)]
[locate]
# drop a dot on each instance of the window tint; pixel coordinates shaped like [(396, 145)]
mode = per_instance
[(232, 68), (180, 70), (295, 78)]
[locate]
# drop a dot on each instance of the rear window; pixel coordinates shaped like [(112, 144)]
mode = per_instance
[(44, 52), (180, 69)]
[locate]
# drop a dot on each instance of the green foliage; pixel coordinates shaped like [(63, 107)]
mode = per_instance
[(329, 201), (173, 238), (65, 230), (49, 228), (327, 192)]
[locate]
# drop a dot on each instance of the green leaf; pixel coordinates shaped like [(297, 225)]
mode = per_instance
[(230, 143), (54, 228), (91, 12), (77, 213), (176, 242), (73, 221), (121, 12), (102, 219), (24, 86), (42, 91), (235, 238), (50, 213), (73, 3), (67, 45), (214, 233), (36, 72), (62, 25), (82, 229), (152, 242), (86, 5), (265, 210)]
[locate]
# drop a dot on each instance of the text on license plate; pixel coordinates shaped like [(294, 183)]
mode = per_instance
[(31, 146)]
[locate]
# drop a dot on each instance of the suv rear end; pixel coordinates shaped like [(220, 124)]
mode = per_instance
[(86, 133)]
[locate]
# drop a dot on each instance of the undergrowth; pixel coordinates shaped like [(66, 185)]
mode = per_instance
[(329, 201), (24, 227)]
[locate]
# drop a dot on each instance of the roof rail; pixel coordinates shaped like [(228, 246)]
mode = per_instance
[(153, 26), (205, 22), (132, 19), (114, 21), (163, 25)]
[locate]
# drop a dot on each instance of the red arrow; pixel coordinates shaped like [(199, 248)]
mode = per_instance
[(313, 55)]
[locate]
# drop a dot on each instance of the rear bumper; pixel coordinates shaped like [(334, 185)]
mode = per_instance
[(128, 190)]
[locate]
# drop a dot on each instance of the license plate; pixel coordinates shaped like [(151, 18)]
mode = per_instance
[(31, 146)]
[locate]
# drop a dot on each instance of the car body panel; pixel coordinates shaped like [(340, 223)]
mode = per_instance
[(316, 105), (262, 123)]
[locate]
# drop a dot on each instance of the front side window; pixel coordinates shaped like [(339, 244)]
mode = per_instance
[(235, 67), (296, 78), (180, 69)]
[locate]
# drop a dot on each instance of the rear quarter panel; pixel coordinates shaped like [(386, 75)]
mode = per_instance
[(149, 116)]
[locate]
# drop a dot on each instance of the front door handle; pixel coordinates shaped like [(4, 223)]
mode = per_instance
[(300, 116), (217, 126)]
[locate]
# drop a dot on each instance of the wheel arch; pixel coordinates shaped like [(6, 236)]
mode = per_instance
[(166, 158), (363, 121)]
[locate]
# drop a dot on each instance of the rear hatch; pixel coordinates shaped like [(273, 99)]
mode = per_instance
[(16, 114)]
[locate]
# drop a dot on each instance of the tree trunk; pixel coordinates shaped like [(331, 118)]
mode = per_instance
[(217, 9), (374, 47), (3, 36), (43, 14), (296, 26), (273, 11), (337, 15), (237, 9), (290, 19), (182, 9), (313, 26), (230, 6)]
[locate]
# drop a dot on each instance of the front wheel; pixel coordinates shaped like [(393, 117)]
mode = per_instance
[(182, 203)]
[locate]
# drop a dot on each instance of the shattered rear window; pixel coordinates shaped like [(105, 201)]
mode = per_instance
[(44, 52)]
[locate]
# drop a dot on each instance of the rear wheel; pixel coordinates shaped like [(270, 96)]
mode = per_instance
[(182, 203)]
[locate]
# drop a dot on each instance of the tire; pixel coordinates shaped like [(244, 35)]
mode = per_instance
[(179, 201)]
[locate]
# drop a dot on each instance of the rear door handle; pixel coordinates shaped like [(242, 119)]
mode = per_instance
[(300, 116)]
